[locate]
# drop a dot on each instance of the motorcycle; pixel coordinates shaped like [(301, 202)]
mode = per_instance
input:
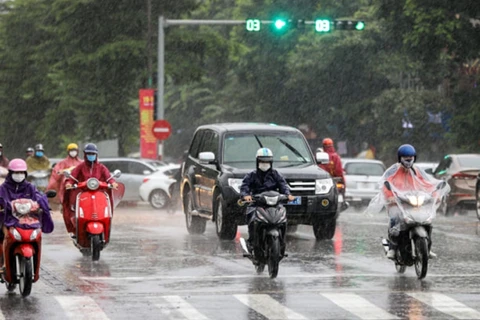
[(417, 210), (342, 204), (23, 246), (39, 178), (92, 203), (270, 224)]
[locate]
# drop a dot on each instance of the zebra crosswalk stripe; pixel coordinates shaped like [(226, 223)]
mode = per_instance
[(183, 307), (446, 305), (81, 307), (267, 306), (358, 306)]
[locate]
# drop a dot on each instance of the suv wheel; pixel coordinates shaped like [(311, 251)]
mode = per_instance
[(195, 224), (324, 228), (226, 229)]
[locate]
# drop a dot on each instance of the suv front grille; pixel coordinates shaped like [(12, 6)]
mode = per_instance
[(302, 187)]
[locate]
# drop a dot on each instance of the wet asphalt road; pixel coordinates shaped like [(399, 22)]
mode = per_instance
[(153, 269)]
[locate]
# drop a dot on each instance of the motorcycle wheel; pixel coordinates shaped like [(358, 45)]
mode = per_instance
[(26, 276), (273, 257), (260, 267), (400, 268), (421, 261), (95, 247)]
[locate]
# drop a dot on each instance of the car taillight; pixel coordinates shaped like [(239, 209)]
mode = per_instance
[(463, 176), (145, 180)]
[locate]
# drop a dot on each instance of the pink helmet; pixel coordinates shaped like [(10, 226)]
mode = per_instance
[(17, 165)]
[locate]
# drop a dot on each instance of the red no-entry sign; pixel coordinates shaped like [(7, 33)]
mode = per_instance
[(161, 129)]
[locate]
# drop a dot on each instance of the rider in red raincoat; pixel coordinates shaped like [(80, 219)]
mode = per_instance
[(90, 168), (57, 179), (334, 167)]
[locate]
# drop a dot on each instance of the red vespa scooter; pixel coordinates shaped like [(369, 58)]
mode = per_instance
[(92, 203), (23, 247)]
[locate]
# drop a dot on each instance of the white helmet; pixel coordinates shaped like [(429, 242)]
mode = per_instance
[(264, 155)]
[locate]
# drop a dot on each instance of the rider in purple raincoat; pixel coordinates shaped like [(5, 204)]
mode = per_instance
[(16, 187)]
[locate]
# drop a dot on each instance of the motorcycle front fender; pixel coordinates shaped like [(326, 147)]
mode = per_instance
[(25, 249), (95, 228), (418, 231), (273, 233)]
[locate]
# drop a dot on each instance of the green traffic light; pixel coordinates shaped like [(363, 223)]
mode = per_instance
[(280, 24), (360, 25)]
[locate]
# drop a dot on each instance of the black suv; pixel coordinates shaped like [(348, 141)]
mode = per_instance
[(220, 156)]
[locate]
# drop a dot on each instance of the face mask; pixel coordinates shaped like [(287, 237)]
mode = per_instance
[(1, 153), (39, 153), (18, 177), (73, 154), (264, 166), (91, 157), (407, 163)]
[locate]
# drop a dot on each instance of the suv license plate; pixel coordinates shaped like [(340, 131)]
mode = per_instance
[(297, 201)]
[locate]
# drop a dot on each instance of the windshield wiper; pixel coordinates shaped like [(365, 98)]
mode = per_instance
[(258, 140), (295, 151)]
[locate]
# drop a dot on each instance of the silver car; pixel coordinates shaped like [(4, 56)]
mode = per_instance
[(362, 178), (133, 173)]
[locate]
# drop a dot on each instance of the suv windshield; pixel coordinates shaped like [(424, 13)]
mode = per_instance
[(288, 150), (364, 169)]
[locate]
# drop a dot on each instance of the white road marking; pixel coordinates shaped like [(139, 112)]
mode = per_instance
[(267, 306), (292, 276), (446, 305), (358, 306), (81, 307), (181, 306)]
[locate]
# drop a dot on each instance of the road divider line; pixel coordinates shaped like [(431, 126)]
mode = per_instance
[(81, 307), (446, 305), (181, 306), (358, 306), (267, 306)]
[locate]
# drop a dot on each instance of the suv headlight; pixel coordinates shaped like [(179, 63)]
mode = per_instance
[(323, 186), (235, 184)]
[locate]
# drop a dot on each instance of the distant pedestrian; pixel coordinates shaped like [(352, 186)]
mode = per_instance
[(3, 160)]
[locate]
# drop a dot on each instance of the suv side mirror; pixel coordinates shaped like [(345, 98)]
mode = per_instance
[(322, 157), (206, 157)]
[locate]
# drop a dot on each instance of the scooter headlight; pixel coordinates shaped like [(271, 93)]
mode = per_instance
[(416, 201), (271, 201), (93, 184), (16, 234), (34, 234), (23, 208)]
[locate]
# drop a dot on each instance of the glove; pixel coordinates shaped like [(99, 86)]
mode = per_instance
[(290, 197)]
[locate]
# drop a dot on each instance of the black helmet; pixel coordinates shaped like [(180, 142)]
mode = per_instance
[(39, 147), (90, 148)]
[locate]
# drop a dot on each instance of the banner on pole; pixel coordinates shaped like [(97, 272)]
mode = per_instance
[(148, 143)]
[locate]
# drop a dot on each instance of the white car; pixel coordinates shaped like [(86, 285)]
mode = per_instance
[(428, 167), (362, 177), (155, 188)]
